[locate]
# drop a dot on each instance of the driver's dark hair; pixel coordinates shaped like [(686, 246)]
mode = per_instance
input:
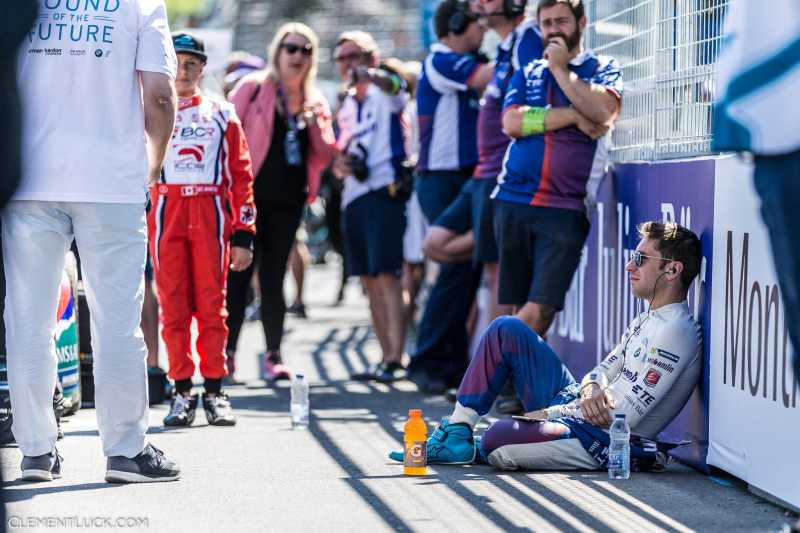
[(675, 243), (576, 6)]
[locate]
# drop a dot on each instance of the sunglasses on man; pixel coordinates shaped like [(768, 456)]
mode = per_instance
[(638, 258), (292, 49)]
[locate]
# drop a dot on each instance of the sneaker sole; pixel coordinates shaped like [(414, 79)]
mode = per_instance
[(119, 476), (38, 475)]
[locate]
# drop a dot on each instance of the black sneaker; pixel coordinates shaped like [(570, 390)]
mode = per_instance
[(298, 310), (45, 467), (218, 410), (151, 465), (181, 411), (383, 372)]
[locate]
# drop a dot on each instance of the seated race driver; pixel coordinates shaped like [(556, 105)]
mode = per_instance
[(202, 202), (649, 376)]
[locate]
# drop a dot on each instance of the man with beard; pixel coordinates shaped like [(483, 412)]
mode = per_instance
[(558, 111)]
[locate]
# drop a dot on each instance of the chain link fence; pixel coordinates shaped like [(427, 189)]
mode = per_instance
[(668, 49)]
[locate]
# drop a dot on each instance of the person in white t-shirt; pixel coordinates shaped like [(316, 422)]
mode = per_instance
[(98, 94)]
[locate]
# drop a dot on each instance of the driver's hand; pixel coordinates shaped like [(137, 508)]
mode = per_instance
[(596, 405)]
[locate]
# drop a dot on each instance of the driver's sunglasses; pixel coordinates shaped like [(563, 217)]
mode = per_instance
[(292, 49), (638, 256)]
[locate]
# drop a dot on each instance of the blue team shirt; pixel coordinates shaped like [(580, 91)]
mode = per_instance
[(557, 168), (519, 48), (447, 111)]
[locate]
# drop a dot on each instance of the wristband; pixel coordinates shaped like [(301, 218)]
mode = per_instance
[(533, 121), (397, 84)]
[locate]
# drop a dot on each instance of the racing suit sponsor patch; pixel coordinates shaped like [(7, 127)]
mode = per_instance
[(665, 354), (652, 377)]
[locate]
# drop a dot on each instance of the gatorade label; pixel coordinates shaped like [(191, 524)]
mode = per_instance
[(415, 455)]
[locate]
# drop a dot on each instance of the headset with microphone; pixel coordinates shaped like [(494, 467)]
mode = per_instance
[(511, 9), (460, 20)]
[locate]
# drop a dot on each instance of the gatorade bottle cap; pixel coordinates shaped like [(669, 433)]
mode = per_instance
[(415, 412)]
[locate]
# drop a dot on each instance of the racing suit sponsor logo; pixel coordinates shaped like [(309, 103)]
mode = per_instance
[(634, 402), (199, 132), (191, 158), (36, 51), (53, 51), (637, 353), (665, 354), (655, 361), (642, 396), (247, 214), (77, 52), (630, 375), (608, 362), (652, 377)]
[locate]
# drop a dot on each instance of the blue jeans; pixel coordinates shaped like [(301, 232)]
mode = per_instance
[(777, 181), (442, 343)]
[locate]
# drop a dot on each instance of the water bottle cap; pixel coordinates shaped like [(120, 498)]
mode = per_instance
[(299, 376), (415, 413), (619, 415)]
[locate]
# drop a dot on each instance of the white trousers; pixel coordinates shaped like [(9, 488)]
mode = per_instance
[(112, 243)]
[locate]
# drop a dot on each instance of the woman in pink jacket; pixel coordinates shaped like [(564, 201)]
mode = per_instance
[(287, 123)]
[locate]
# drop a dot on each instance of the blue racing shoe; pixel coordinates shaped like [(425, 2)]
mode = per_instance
[(450, 444)]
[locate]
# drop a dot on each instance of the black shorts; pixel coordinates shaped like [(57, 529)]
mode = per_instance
[(472, 209), (373, 227), (540, 248), (483, 221), (457, 217)]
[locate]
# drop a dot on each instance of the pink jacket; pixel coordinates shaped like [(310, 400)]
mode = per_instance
[(256, 110)]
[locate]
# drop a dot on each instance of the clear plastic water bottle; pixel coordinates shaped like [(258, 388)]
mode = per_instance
[(619, 453), (299, 402)]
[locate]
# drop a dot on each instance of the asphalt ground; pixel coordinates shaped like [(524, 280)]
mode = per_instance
[(263, 476)]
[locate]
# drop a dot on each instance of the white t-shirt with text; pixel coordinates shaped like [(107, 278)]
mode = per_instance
[(83, 116)]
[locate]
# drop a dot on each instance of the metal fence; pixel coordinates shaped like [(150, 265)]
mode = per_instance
[(668, 49)]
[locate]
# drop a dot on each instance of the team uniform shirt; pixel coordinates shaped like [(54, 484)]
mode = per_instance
[(558, 168), (447, 111), (651, 372), (83, 139), (377, 127), (519, 48), (758, 79)]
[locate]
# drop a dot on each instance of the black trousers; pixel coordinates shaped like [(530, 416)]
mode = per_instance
[(276, 227)]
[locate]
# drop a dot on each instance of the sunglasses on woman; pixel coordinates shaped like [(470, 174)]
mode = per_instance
[(638, 256), (292, 49)]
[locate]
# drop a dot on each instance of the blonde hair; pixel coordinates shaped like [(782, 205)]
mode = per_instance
[(365, 41), (274, 49)]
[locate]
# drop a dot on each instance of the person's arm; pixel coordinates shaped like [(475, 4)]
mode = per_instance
[(597, 102), (244, 209), (595, 402), (481, 77), (548, 119), (160, 105)]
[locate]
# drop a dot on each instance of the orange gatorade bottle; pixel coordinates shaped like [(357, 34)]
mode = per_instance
[(415, 439)]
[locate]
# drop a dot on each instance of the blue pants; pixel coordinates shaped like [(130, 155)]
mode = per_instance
[(442, 343), (777, 181), (510, 349)]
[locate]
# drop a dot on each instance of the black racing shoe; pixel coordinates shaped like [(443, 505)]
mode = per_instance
[(45, 467), (218, 410), (181, 411), (150, 466), (383, 372)]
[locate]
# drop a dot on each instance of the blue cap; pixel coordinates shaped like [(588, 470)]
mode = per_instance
[(187, 43)]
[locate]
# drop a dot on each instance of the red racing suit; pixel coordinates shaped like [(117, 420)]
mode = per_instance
[(202, 203)]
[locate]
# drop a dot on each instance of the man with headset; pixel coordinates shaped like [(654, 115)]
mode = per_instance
[(453, 74), (649, 376), (466, 228)]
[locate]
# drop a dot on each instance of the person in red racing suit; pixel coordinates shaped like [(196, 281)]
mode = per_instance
[(202, 203)]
